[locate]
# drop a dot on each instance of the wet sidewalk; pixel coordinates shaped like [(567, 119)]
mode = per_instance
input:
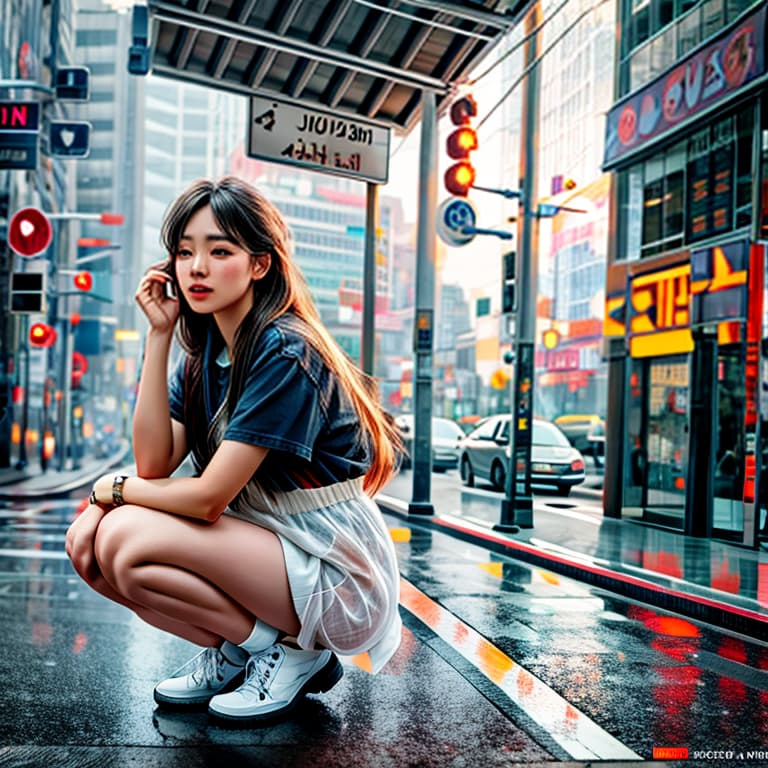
[(502, 661), (716, 582)]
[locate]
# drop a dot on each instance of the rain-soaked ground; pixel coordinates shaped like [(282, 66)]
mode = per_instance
[(501, 663)]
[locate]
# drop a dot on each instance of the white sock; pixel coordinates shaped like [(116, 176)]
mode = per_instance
[(261, 637)]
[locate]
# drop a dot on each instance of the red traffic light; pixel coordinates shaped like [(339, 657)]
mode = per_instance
[(83, 281), (459, 178), (461, 142), (42, 335), (463, 110), (29, 232)]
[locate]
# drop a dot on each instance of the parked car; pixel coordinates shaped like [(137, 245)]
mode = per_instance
[(554, 461), (445, 441)]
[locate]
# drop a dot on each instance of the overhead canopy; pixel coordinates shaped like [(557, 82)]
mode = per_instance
[(371, 59)]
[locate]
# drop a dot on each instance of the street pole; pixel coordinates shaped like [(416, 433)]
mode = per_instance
[(369, 279), (423, 341), (24, 350), (517, 505)]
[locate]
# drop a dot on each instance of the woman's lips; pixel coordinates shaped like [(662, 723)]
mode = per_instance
[(199, 291)]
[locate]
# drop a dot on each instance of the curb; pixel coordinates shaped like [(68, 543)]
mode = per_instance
[(62, 489), (677, 596)]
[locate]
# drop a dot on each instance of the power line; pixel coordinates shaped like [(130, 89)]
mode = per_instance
[(517, 45), (534, 63)]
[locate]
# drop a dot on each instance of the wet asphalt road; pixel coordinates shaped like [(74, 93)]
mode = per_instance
[(501, 663)]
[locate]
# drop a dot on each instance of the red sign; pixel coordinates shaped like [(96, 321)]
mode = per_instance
[(29, 232)]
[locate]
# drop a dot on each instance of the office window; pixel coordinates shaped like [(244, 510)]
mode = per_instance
[(695, 190)]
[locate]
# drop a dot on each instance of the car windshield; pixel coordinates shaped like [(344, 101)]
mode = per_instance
[(446, 430), (545, 433)]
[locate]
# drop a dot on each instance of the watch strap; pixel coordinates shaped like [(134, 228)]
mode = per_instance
[(117, 489)]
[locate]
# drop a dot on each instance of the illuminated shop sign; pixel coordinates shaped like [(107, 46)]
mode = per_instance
[(19, 132), (708, 76), (659, 308)]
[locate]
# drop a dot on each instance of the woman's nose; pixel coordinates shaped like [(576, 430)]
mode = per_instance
[(199, 265)]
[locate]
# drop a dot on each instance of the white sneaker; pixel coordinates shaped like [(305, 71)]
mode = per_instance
[(275, 681), (207, 674)]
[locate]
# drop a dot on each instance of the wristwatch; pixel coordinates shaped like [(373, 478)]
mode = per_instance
[(117, 489)]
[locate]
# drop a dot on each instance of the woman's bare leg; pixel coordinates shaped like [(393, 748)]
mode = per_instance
[(79, 547), (216, 577)]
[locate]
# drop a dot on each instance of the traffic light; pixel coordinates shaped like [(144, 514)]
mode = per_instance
[(550, 338), (508, 297), (29, 232), (42, 335), (462, 141), (83, 280), (27, 292)]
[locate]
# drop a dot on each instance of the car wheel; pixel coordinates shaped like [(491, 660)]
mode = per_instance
[(563, 490), (498, 476), (467, 475)]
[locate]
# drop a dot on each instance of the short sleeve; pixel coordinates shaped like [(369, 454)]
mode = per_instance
[(176, 390), (279, 406)]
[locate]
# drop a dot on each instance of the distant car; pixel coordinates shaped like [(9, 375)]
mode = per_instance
[(554, 461), (445, 441), (577, 428)]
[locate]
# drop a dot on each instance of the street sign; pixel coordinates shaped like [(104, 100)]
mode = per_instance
[(70, 139), (19, 126), (73, 83), (453, 215), (29, 232), (282, 132)]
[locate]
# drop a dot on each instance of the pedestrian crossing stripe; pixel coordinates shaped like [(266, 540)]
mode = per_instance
[(574, 731)]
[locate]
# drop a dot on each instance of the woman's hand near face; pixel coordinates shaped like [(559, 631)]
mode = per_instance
[(161, 311)]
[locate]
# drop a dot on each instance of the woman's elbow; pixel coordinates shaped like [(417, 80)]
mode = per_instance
[(213, 509)]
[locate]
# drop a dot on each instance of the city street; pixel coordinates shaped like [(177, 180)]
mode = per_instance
[(501, 662)]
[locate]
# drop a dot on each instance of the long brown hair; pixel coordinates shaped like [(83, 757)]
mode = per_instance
[(252, 221)]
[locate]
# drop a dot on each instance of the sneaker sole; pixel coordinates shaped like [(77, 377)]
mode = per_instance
[(198, 702), (323, 680)]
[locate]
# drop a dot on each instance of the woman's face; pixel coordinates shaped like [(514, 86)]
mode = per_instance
[(214, 273)]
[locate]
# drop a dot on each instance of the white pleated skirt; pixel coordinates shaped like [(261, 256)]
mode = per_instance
[(341, 563)]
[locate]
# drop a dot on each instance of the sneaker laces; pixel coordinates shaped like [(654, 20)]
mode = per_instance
[(208, 670), (258, 672)]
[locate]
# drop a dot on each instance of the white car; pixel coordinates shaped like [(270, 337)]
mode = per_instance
[(555, 462), (446, 435)]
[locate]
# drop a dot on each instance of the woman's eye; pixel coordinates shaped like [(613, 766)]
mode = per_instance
[(221, 252), (183, 254)]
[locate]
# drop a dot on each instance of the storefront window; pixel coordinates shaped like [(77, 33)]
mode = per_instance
[(674, 186), (658, 436), (744, 133), (727, 510), (653, 197), (695, 190)]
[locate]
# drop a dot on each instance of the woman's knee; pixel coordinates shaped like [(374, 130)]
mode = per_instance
[(114, 547)]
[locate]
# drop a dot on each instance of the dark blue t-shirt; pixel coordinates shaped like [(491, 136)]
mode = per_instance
[(290, 403)]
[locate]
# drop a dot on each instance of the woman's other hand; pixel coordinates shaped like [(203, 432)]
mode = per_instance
[(79, 541), (161, 310)]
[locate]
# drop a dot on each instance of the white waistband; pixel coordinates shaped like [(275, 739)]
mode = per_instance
[(301, 499)]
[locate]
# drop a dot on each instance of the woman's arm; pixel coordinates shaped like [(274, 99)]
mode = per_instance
[(203, 498), (159, 444)]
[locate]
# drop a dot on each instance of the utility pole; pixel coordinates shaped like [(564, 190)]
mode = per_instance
[(517, 505), (368, 341), (423, 341)]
